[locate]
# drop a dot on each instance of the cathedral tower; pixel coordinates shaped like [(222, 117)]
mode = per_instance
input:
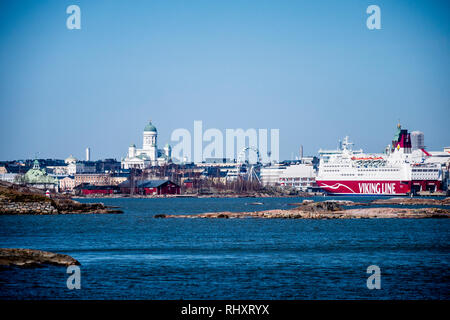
[(149, 144)]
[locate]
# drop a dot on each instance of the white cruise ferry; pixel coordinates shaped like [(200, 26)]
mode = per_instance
[(399, 172)]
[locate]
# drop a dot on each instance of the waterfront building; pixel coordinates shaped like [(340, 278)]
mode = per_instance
[(96, 179), (299, 176), (150, 187), (87, 189), (67, 183), (270, 176), (149, 155)]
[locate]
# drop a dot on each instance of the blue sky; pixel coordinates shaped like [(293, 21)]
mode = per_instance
[(309, 68)]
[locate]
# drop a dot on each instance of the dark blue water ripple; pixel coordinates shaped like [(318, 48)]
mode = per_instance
[(135, 256)]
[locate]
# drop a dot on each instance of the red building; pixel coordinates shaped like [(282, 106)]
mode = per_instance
[(88, 189), (188, 183), (151, 187)]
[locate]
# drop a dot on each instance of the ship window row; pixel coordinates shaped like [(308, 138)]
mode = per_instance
[(336, 166), (391, 170), (298, 184), (425, 170), (425, 175)]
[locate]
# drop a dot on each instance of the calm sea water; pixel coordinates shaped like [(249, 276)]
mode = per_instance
[(135, 256)]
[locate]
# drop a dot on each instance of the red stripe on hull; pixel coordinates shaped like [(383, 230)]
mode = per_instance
[(366, 187)]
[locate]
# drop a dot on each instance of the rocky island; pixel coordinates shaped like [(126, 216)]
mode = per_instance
[(413, 201), (309, 209), (16, 199), (33, 258)]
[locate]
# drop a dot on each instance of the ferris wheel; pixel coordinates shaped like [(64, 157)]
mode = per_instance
[(251, 172), (241, 156)]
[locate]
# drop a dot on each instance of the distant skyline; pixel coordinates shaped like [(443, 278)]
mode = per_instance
[(311, 69)]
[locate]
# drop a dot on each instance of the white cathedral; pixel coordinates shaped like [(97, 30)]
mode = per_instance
[(149, 155)]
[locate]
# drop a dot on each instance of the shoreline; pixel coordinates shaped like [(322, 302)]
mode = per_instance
[(232, 196)]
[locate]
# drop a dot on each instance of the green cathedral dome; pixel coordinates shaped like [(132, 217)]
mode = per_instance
[(150, 127)]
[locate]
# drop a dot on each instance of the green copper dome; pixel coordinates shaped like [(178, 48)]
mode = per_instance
[(150, 127), (38, 175)]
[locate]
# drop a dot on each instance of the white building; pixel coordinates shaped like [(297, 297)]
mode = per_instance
[(149, 155), (79, 167), (73, 166), (417, 140), (300, 176), (270, 176)]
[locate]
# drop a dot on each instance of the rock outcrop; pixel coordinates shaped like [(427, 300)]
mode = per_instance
[(413, 201), (33, 258), (34, 207), (326, 210), (20, 200)]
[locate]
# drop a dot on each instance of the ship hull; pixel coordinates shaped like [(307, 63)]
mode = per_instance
[(365, 187)]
